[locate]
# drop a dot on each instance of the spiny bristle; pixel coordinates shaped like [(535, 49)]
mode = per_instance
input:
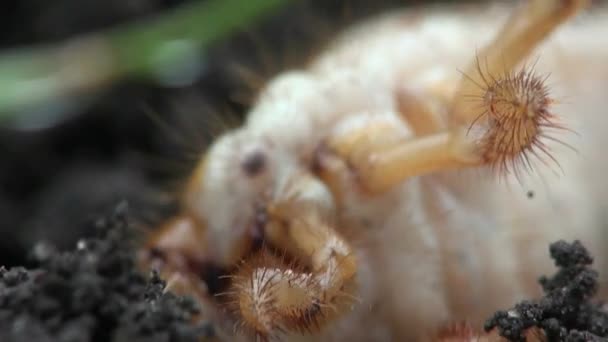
[(270, 299), (515, 121)]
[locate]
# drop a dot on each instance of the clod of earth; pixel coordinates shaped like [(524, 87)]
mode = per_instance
[(94, 293), (566, 312)]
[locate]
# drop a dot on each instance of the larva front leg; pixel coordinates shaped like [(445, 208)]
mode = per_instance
[(303, 277), (299, 281), (527, 27), (498, 116)]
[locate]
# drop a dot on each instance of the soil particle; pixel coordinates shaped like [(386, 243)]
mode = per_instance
[(93, 293), (566, 312)]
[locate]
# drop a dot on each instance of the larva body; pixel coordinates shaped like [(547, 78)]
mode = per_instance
[(440, 247)]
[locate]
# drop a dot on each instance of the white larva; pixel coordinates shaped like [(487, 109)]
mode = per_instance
[(438, 247)]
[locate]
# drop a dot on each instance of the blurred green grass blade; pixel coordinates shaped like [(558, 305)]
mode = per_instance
[(30, 77), (196, 24)]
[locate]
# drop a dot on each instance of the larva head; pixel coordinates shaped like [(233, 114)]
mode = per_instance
[(243, 168), (227, 192)]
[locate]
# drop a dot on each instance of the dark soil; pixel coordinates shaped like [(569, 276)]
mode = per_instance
[(567, 311), (93, 293)]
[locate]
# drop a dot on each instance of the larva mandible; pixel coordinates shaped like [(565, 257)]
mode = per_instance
[(368, 187)]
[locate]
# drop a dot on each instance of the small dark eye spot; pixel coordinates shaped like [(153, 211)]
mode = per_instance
[(530, 194), (254, 164)]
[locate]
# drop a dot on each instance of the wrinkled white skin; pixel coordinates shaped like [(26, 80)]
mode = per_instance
[(449, 246)]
